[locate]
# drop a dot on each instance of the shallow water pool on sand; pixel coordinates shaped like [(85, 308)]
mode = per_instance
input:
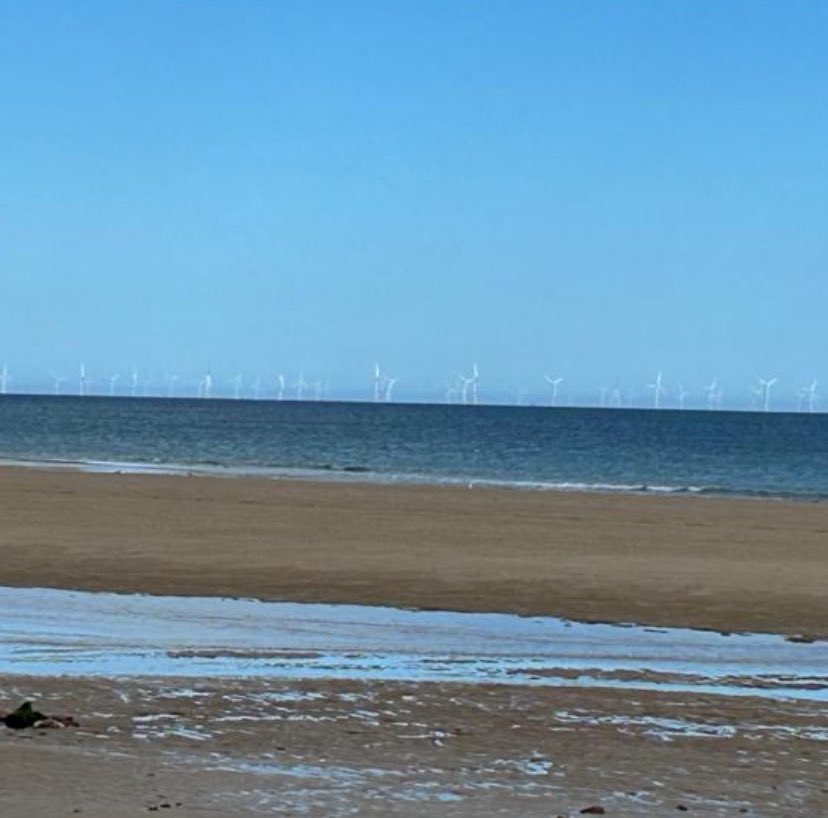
[(54, 632)]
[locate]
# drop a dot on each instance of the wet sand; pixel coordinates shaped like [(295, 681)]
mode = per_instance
[(323, 747), (319, 748), (49, 632), (726, 564)]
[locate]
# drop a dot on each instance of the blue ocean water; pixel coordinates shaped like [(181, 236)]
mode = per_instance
[(784, 455)]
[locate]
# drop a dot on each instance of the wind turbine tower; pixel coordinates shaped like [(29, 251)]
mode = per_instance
[(205, 387), (280, 395), (464, 389), (469, 385), (82, 381), (810, 396), (682, 395), (300, 386), (4, 380), (765, 385), (710, 389), (390, 383), (377, 382), (658, 390), (555, 382), (113, 379)]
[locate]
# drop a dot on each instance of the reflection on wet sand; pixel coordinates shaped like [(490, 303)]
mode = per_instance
[(241, 708), (50, 632)]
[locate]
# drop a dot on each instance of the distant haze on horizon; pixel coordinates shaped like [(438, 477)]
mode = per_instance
[(595, 191)]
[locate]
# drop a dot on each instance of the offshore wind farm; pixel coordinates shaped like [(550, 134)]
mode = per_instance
[(662, 392)]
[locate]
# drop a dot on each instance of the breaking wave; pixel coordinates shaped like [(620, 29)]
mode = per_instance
[(331, 472)]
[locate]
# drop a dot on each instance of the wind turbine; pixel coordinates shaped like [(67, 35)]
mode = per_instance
[(280, 395), (133, 389), (57, 380), (711, 394), (464, 389), (4, 379), (389, 388), (658, 389), (682, 394), (470, 382), (171, 385), (765, 385), (82, 380), (377, 382), (205, 386), (809, 393), (113, 379), (475, 378), (556, 382), (237, 386), (300, 385)]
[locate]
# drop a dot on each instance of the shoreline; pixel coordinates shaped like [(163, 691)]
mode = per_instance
[(729, 565), (360, 475)]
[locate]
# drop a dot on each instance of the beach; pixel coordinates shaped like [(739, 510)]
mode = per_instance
[(341, 748), (325, 746), (727, 564), (413, 410)]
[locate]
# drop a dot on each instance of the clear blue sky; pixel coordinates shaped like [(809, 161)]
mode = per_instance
[(593, 189)]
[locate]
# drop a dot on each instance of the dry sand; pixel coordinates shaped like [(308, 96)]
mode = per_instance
[(736, 565)]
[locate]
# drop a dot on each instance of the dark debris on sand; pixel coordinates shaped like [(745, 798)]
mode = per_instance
[(26, 716)]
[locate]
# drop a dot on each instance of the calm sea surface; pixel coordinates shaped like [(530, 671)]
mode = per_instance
[(784, 455)]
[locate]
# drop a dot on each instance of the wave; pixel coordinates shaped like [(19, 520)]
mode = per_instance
[(327, 472), (629, 488), (644, 488)]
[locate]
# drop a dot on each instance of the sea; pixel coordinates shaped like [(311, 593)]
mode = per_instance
[(754, 454)]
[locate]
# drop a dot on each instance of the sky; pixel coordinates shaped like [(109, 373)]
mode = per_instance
[(595, 190)]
